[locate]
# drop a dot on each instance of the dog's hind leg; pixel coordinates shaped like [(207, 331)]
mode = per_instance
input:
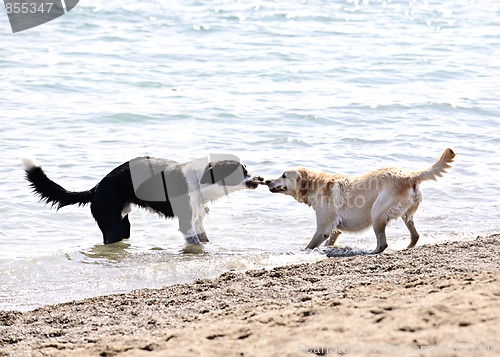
[(379, 222), (416, 195), (413, 232), (126, 227), (112, 230), (333, 238), (125, 222), (109, 221), (379, 228), (385, 208)]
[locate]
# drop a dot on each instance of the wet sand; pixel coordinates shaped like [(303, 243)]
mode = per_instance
[(433, 300)]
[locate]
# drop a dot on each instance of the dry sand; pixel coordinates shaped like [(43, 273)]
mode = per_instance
[(433, 300)]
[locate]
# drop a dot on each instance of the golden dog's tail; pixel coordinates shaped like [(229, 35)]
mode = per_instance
[(437, 170)]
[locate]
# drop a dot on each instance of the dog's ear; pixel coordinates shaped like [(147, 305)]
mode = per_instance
[(303, 181), (303, 186), (208, 175), (226, 172)]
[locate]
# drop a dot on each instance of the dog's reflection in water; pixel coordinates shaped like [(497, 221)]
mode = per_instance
[(115, 252)]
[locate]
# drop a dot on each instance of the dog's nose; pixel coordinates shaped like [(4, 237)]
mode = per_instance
[(268, 182)]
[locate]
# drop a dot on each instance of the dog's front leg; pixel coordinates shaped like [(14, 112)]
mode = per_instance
[(200, 230), (324, 225), (187, 228), (182, 208), (193, 239), (203, 237), (197, 218)]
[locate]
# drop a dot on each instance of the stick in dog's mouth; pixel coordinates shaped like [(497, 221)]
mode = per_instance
[(278, 189), (254, 182)]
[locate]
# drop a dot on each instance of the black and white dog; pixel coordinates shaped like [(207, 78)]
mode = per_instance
[(164, 186)]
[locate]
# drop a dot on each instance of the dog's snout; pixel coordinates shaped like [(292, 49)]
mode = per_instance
[(268, 182)]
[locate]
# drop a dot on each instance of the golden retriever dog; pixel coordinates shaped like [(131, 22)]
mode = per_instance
[(352, 203)]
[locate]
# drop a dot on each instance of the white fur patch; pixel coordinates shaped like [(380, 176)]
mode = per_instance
[(199, 194), (126, 210), (29, 163)]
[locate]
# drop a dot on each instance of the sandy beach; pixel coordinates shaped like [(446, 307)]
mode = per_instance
[(435, 300)]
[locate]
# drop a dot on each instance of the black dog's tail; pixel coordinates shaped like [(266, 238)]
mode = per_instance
[(51, 192)]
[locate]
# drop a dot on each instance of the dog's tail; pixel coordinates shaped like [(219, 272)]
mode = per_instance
[(51, 192), (436, 170)]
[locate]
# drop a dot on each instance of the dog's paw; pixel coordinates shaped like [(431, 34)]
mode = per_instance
[(203, 238)]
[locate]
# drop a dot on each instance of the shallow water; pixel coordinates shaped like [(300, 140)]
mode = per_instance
[(336, 86)]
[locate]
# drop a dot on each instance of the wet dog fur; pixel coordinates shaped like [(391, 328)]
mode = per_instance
[(352, 203), (190, 187)]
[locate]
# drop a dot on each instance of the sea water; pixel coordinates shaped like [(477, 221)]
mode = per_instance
[(336, 86)]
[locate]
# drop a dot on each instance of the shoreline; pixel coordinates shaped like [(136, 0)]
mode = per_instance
[(437, 300)]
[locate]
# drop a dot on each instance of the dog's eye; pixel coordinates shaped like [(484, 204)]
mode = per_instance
[(284, 175)]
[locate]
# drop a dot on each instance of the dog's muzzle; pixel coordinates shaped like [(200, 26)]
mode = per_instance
[(275, 188)]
